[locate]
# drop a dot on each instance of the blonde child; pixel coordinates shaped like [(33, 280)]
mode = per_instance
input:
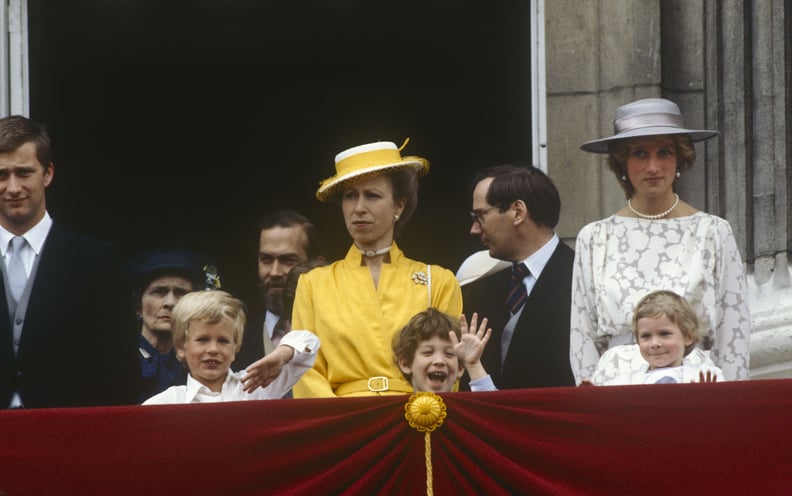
[(433, 350), (666, 329), (207, 332)]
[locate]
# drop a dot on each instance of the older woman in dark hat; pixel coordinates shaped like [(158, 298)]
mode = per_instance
[(159, 279), (656, 241), (357, 305)]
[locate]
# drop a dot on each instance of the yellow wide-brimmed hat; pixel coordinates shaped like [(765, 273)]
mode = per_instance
[(369, 160)]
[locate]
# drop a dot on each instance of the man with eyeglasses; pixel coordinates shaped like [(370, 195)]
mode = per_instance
[(515, 211), (286, 239)]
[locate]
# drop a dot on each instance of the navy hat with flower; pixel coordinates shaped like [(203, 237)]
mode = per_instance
[(148, 266)]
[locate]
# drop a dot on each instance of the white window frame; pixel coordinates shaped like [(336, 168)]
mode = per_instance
[(538, 87), (14, 71)]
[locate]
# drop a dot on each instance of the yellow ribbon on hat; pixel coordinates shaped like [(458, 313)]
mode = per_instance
[(425, 412)]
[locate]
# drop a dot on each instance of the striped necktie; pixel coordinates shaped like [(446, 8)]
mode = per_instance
[(517, 294)]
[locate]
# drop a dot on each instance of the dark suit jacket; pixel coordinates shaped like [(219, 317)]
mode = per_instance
[(252, 343), (252, 346), (539, 351), (78, 347)]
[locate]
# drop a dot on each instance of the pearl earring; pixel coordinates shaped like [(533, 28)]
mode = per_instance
[(395, 218), (624, 178), (678, 174)]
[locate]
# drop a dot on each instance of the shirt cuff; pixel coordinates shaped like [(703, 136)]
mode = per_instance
[(483, 384)]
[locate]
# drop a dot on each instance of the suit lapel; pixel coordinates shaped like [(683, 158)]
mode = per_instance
[(7, 336), (490, 302), (52, 278), (540, 300)]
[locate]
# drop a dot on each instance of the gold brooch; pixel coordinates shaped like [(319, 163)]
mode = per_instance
[(420, 278)]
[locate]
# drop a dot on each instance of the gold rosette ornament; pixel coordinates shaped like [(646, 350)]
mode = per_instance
[(425, 412)]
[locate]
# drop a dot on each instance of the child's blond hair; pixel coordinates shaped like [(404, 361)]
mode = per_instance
[(674, 308), (211, 307)]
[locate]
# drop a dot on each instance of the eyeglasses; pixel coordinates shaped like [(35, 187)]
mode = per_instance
[(478, 216)]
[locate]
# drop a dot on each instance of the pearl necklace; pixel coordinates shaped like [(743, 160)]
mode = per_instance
[(374, 253), (656, 216)]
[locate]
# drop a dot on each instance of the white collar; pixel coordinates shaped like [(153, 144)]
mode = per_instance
[(195, 388), (35, 236), (537, 260)]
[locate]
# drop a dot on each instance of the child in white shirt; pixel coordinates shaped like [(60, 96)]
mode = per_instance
[(207, 331), (666, 329)]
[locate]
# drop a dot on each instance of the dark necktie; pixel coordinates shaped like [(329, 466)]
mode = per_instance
[(517, 294), (280, 330)]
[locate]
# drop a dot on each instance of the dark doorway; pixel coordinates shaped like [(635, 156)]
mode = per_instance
[(181, 122)]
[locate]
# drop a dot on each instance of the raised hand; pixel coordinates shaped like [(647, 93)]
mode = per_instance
[(472, 340)]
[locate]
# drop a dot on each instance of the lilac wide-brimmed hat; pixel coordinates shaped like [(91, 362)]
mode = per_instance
[(647, 117)]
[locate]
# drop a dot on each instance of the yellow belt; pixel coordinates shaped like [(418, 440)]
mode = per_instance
[(377, 384)]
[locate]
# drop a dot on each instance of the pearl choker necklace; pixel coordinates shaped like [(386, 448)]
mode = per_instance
[(656, 216), (375, 253)]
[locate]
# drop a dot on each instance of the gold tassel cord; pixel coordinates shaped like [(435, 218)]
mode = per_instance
[(428, 455), (425, 412)]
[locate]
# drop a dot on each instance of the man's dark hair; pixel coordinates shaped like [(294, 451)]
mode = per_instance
[(290, 218), (527, 183), (17, 130)]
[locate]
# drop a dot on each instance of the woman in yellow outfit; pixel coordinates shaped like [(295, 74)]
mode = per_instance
[(357, 305)]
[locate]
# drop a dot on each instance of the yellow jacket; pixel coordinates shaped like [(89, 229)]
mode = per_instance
[(357, 322)]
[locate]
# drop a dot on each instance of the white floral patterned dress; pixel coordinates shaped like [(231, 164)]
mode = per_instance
[(618, 260)]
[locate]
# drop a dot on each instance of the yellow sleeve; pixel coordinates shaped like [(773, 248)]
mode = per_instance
[(313, 383), (446, 293)]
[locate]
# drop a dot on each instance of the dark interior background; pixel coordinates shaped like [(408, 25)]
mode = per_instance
[(181, 122)]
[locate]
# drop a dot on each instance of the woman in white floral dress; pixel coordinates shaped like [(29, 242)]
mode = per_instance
[(655, 242)]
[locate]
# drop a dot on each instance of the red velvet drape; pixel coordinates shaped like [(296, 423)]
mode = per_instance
[(730, 438)]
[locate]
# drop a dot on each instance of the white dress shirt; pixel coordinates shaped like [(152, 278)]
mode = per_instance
[(305, 345), (35, 238)]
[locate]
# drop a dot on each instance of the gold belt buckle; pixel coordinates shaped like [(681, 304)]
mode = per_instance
[(377, 384)]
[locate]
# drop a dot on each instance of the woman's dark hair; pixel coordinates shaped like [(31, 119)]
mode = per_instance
[(619, 150), (405, 187)]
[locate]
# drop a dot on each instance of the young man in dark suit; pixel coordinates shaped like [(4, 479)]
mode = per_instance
[(515, 211), (65, 319)]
